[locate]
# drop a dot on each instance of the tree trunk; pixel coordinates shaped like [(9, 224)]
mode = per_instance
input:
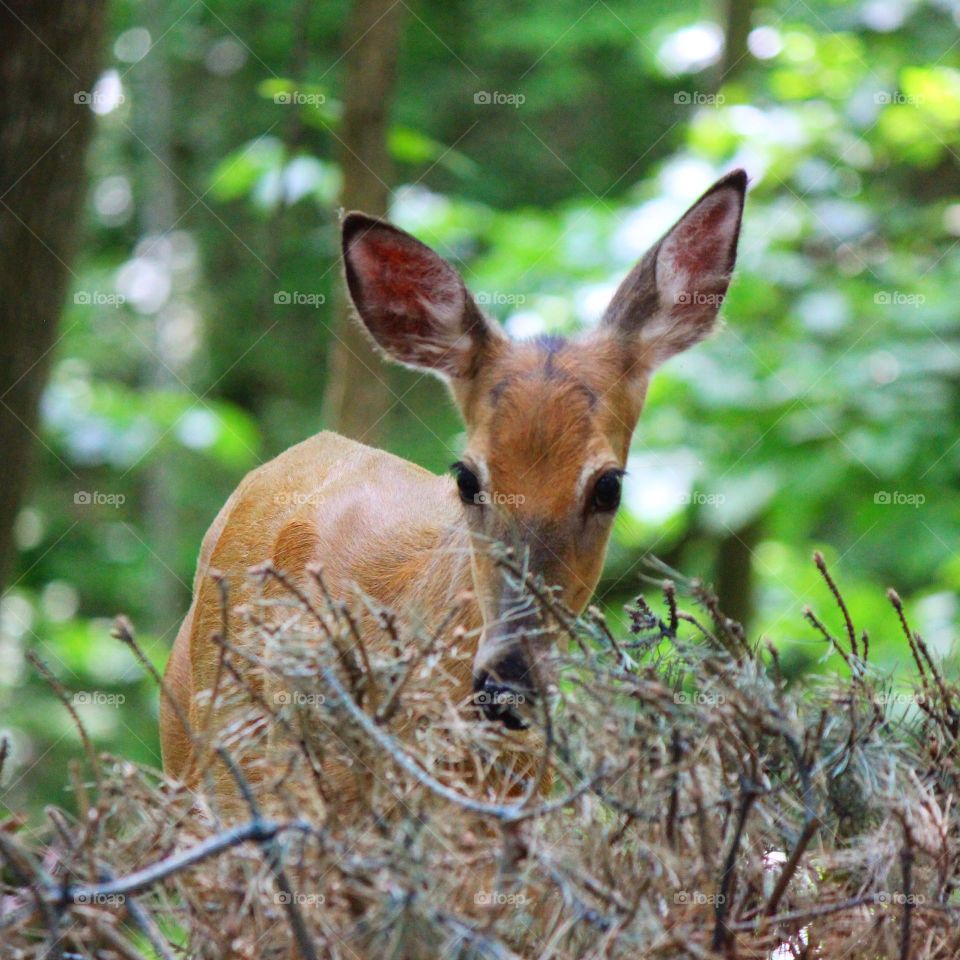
[(735, 580), (49, 55), (357, 395), (734, 573), (738, 22), (163, 369)]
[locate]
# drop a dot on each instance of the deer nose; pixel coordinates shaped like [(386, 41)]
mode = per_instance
[(503, 689)]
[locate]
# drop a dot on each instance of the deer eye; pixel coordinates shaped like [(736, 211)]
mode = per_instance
[(468, 483), (606, 491)]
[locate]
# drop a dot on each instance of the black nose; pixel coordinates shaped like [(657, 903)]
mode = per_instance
[(503, 690)]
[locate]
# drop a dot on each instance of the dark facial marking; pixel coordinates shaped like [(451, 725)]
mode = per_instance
[(551, 346), (498, 389)]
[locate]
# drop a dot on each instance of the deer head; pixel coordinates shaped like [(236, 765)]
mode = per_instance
[(548, 420)]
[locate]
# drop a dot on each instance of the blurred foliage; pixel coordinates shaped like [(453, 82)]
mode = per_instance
[(542, 149)]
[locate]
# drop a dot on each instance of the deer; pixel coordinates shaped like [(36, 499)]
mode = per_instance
[(549, 422)]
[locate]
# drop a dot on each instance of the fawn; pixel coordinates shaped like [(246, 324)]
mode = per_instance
[(548, 421)]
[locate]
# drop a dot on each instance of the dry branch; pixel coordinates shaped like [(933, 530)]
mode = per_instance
[(699, 806)]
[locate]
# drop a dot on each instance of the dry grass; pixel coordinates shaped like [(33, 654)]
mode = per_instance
[(697, 807)]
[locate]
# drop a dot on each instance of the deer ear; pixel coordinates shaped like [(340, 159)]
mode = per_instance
[(412, 302), (670, 300)]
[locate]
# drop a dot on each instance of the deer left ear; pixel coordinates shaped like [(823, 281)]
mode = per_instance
[(413, 303), (670, 300)]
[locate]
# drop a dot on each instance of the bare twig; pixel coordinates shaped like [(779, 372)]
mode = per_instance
[(66, 700)]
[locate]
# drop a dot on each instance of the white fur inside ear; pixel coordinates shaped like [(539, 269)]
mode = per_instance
[(412, 302), (692, 274), (444, 355), (694, 258)]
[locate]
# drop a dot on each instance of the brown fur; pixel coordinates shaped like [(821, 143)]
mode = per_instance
[(309, 506), (545, 418)]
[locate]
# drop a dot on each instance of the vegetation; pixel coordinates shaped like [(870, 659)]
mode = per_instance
[(543, 148), (696, 804)]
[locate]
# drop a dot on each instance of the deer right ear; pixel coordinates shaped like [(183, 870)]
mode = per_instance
[(670, 300), (413, 303)]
